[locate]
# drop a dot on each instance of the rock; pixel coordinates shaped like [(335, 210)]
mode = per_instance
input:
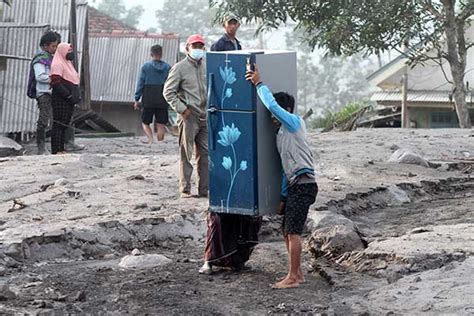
[(426, 307), (15, 251), (443, 167), (420, 230), (5, 293), (3, 271), (8, 147), (175, 218), (136, 252), (321, 219), (136, 177), (399, 196), (144, 261), (394, 147), (336, 178), (334, 241), (417, 279), (411, 175), (406, 156), (61, 182)]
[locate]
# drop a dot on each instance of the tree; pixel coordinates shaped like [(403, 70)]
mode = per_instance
[(133, 15), (348, 27), (186, 17), (117, 9), (331, 82)]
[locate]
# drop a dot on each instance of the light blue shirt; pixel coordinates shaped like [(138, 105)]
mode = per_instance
[(291, 121), (42, 79)]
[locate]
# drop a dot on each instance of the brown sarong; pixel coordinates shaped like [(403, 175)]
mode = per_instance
[(230, 238)]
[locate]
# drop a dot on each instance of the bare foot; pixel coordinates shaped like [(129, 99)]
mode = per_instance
[(300, 278), (286, 283)]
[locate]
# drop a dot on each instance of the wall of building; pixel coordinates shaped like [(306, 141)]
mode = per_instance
[(435, 117), (121, 115)]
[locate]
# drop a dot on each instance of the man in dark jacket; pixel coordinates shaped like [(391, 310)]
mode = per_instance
[(228, 41), (150, 84)]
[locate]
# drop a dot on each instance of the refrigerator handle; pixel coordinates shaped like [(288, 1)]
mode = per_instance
[(211, 113)]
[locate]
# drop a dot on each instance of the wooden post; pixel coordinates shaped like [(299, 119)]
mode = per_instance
[(73, 32), (405, 114)]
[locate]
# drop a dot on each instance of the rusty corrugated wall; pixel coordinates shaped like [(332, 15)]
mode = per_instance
[(24, 23), (18, 113), (116, 61)]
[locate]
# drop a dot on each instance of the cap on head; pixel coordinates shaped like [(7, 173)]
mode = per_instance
[(195, 38), (229, 17)]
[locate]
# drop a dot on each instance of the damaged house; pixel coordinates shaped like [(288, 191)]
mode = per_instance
[(429, 95)]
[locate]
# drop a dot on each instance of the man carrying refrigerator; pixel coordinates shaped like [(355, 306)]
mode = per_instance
[(185, 91), (299, 188), (230, 238)]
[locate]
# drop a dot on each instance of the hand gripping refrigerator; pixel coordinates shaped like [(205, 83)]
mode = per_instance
[(244, 165)]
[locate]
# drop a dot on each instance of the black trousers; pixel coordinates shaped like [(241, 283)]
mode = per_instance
[(62, 114)]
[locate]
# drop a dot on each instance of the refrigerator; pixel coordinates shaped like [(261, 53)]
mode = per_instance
[(244, 165)]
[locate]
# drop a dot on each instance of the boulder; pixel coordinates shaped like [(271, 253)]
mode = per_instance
[(144, 261), (8, 147), (334, 241), (321, 219), (407, 156)]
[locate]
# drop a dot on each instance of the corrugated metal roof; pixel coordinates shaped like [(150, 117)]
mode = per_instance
[(56, 13), (18, 113), (22, 27), (116, 61), (427, 96)]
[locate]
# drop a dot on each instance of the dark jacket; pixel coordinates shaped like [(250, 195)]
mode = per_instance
[(225, 44), (150, 84), (65, 90)]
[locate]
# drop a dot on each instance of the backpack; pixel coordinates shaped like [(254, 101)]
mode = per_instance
[(31, 88)]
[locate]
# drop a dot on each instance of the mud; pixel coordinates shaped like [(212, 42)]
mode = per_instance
[(66, 223)]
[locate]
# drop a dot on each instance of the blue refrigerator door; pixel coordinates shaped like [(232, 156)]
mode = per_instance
[(226, 78), (232, 165), (232, 134)]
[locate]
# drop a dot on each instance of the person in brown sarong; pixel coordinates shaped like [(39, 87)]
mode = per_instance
[(230, 240)]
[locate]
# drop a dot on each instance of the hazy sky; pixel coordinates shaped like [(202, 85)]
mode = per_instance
[(148, 19)]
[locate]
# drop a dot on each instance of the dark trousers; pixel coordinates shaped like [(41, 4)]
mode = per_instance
[(44, 120), (62, 114)]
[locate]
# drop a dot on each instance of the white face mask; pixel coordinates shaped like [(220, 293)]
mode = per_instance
[(196, 53)]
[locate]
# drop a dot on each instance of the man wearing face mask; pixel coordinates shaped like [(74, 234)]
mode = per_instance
[(185, 92)]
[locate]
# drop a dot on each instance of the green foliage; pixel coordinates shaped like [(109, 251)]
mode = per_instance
[(347, 27), (117, 10), (334, 119)]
